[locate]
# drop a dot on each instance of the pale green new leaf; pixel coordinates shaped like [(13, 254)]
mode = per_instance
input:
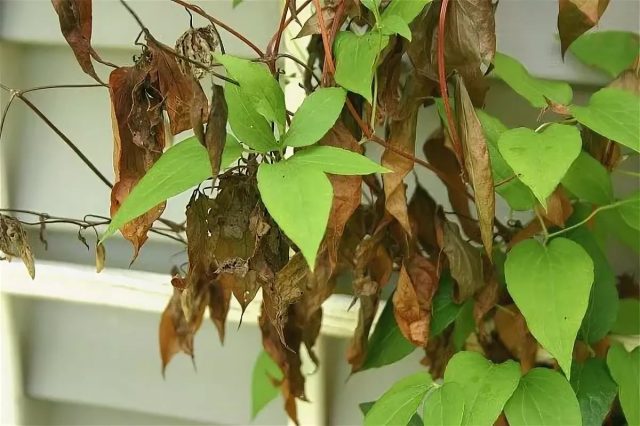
[(263, 391), (299, 200), (610, 51), (543, 398), (180, 168), (258, 85), (628, 318), (317, 114), (387, 344), (594, 389), (533, 89), (356, 58), (394, 24), (398, 405), (541, 160), (551, 286), (486, 386), (625, 369), (337, 161), (250, 127), (444, 406), (613, 113), (407, 10), (630, 210), (588, 180), (515, 193)]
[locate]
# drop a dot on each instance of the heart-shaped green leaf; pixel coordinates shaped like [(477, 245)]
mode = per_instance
[(486, 386), (337, 161), (588, 180), (610, 51), (444, 406), (541, 159), (628, 319), (400, 402), (250, 127), (407, 10), (543, 397), (533, 89), (625, 369), (594, 389), (629, 209), (613, 113), (317, 114), (299, 200), (551, 285)]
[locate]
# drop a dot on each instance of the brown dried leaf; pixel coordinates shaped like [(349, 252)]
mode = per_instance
[(422, 213), (438, 153), (312, 25), (487, 297), (477, 163), (559, 208), (465, 262), (75, 24), (438, 352), (629, 80), (513, 332), (575, 17), (216, 133), (14, 242), (219, 303), (100, 257), (412, 300), (138, 143)]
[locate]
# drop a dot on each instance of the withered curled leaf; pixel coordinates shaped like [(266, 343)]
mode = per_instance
[(14, 242), (75, 23), (197, 44), (465, 262), (514, 334), (575, 17), (216, 132), (477, 163), (100, 257)]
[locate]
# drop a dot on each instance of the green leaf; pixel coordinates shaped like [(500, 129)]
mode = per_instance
[(444, 310), (551, 286), (407, 10), (394, 24), (356, 58), (444, 406), (533, 89), (588, 180), (611, 223), (625, 369), (515, 193), (613, 113), (180, 168), (541, 159), (594, 389), (258, 86), (299, 200), (372, 5), (400, 402), (236, 3), (387, 344), (317, 114), (610, 51), (366, 406), (630, 210), (263, 391), (337, 161), (628, 319), (250, 127), (603, 298), (486, 386), (464, 325), (543, 398)]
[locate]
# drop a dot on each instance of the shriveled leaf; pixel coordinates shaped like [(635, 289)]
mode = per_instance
[(312, 25), (180, 168), (594, 389), (336, 160), (486, 386), (100, 257), (629, 209), (543, 397), (258, 86), (317, 114), (535, 90), (263, 389), (588, 180), (541, 159), (575, 17), (516, 337), (75, 23), (613, 113), (216, 133), (445, 406), (625, 369), (477, 163), (413, 298), (251, 128), (397, 405), (628, 318), (465, 263), (551, 286), (610, 51), (14, 242), (356, 58)]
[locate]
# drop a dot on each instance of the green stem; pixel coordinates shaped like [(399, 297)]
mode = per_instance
[(588, 218)]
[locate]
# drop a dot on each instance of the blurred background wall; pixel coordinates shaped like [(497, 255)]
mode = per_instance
[(68, 363)]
